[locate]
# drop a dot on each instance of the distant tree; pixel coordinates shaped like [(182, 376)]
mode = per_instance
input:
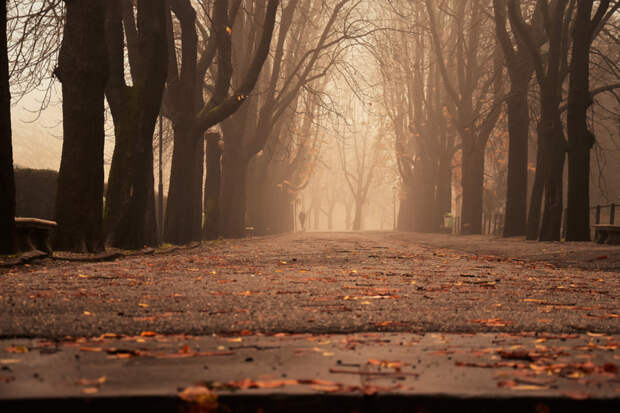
[(7, 181), (83, 72), (360, 157), (415, 101), (475, 91)]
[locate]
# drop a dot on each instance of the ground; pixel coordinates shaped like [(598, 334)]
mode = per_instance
[(547, 311)]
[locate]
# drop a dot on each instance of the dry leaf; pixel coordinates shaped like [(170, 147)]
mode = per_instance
[(200, 395)]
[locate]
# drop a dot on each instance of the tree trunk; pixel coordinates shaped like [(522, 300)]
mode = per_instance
[(234, 192), (580, 139), (357, 220), (183, 98), (472, 182), (213, 186), (124, 108), (407, 205), (135, 223), (518, 132), (533, 217), (184, 188), (83, 73), (552, 215), (197, 185), (330, 218), (317, 218), (444, 188), (7, 179), (425, 213)]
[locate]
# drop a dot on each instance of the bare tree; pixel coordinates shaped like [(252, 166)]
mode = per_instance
[(360, 155), (520, 68), (292, 67), (185, 185), (130, 209), (83, 72), (475, 93), (7, 180), (580, 138), (551, 71)]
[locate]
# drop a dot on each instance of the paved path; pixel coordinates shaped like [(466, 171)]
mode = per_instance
[(318, 313), (322, 283)]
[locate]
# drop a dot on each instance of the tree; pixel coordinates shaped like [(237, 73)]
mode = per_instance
[(7, 180), (360, 156), (292, 67), (415, 101), (475, 94), (212, 185), (130, 210), (185, 182), (520, 68), (551, 71), (580, 138), (83, 72)]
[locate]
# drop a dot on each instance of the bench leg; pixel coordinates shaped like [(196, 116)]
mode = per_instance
[(41, 241), (613, 238), (600, 236), (24, 240)]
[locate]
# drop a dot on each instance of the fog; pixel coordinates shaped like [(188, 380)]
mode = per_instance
[(431, 116)]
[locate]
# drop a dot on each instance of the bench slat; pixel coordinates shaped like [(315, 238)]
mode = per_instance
[(35, 223)]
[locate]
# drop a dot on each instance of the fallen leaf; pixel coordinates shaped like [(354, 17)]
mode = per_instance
[(576, 395), (91, 349), (17, 349), (148, 334), (200, 395), (94, 382)]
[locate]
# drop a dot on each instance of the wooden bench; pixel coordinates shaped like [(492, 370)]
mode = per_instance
[(607, 234), (34, 234)]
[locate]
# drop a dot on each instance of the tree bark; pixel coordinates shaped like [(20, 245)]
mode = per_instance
[(83, 74), (534, 211), (520, 67), (213, 186), (472, 183), (7, 179), (580, 138), (444, 187), (180, 211), (551, 226), (518, 131), (131, 220), (234, 192), (357, 218), (184, 98)]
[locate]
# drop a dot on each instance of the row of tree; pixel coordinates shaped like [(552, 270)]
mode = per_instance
[(232, 95), (449, 71)]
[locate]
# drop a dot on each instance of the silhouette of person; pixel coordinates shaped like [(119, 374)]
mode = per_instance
[(302, 220)]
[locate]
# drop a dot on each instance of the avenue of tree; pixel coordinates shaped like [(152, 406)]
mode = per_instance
[(458, 107)]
